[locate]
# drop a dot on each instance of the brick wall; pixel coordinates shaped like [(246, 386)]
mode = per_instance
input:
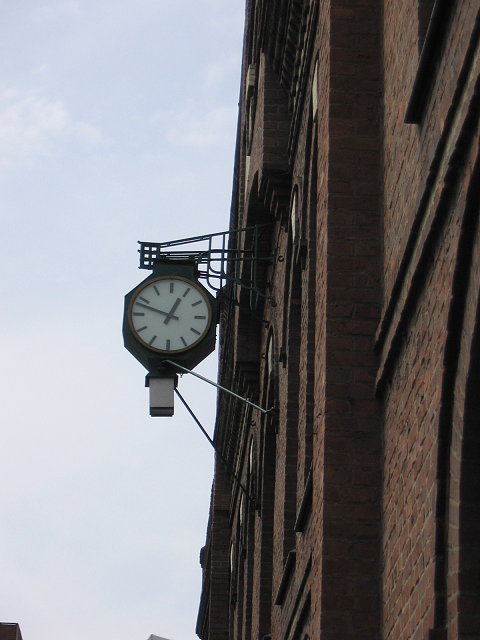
[(361, 513), (10, 631), (424, 368)]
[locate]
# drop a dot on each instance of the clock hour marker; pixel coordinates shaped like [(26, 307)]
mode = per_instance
[(183, 341), (168, 345), (138, 313), (195, 303), (199, 317), (153, 340), (171, 287), (195, 331), (141, 329), (186, 292), (144, 300), (156, 290)]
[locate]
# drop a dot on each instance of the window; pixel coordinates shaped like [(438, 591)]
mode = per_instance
[(424, 10), (433, 18)]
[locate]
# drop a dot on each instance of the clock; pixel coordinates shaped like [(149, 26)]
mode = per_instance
[(169, 314)]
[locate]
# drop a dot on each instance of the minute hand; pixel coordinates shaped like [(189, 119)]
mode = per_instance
[(147, 306), (172, 311)]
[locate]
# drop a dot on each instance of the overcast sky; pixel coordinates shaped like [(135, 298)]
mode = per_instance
[(117, 124)]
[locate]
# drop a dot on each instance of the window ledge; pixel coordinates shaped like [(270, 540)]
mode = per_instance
[(305, 505)]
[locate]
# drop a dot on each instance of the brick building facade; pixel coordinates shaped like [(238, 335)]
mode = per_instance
[(10, 631), (352, 510)]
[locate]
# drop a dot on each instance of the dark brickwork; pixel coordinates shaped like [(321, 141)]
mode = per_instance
[(10, 631), (352, 510)]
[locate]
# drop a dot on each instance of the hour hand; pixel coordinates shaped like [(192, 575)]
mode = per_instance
[(172, 311), (164, 313)]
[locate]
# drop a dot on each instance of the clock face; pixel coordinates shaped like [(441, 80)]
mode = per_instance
[(169, 314)]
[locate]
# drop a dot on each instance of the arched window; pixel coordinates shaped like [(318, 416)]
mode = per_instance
[(424, 11)]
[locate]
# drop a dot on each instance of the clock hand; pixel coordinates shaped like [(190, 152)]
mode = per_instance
[(172, 311), (147, 306)]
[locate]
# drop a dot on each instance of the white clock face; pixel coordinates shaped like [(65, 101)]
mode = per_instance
[(170, 314)]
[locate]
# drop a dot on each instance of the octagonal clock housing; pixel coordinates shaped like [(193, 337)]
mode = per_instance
[(170, 316)]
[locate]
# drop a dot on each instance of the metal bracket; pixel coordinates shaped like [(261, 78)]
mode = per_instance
[(239, 257)]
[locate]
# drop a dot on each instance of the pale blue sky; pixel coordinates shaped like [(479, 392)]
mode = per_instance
[(117, 124)]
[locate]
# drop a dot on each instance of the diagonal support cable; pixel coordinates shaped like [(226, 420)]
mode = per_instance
[(229, 469), (218, 386)]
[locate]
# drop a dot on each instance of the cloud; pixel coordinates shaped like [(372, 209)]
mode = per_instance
[(223, 17), (213, 74), (71, 7), (197, 129), (30, 124), (42, 68), (47, 13)]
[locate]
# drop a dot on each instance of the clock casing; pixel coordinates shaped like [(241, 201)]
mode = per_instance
[(170, 316)]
